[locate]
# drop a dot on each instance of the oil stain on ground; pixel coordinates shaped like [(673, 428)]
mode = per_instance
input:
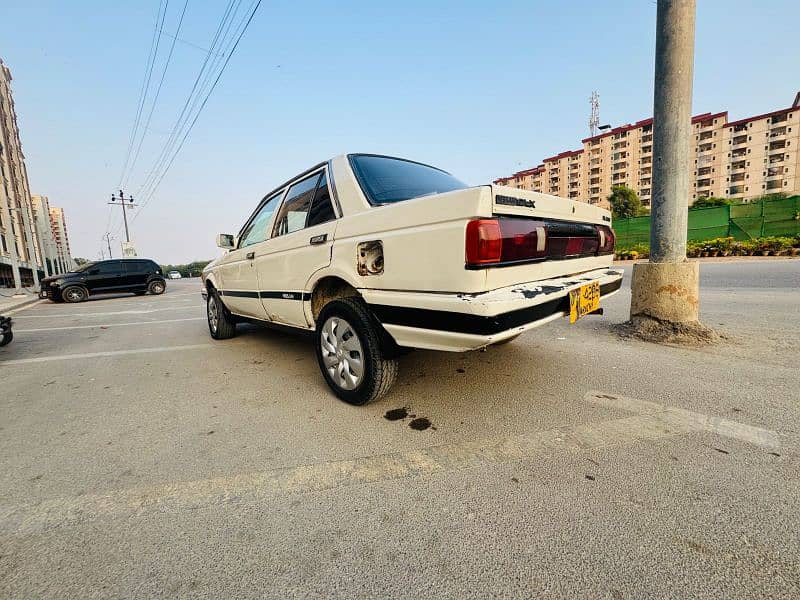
[(396, 414), (420, 424)]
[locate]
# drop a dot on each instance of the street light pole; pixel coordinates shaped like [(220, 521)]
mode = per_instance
[(665, 292)]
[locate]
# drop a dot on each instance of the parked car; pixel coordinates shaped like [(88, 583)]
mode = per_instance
[(136, 275), (379, 254), (174, 274)]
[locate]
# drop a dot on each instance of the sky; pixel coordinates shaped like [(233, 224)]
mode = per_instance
[(481, 89)]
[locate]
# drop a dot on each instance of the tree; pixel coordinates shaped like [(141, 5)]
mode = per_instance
[(624, 202), (710, 202)]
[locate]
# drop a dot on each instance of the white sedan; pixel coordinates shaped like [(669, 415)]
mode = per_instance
[(377, 254)]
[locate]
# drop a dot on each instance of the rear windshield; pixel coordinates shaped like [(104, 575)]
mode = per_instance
[(385, 180)]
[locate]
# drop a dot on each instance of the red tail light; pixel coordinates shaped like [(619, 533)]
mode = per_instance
[(606, 239), (512, 240), (484, 243)]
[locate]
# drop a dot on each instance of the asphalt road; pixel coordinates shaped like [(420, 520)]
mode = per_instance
[(139, 458)]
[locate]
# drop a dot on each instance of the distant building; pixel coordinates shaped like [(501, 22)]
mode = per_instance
[(740, 160), (41, 215), (27, 239), (58, 227)]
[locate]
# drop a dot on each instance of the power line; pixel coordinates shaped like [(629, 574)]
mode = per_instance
[(154, 187), (158, 91), (180, 122), (145, 83)]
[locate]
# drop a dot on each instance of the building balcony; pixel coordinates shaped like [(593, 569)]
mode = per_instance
[(739, 153), (735, 190), (646, 139), (647, 149), (775, 171), (738, 165), (705, 148), (740, 128), (704, 183), (704, 171), (739, 139), (776, 158), (706, 135), (619, 166), (778, 132), (737, 177), (777, 145), (774, 184)]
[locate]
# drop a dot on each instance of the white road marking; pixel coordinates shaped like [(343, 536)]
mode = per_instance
[(655, 422), (103, 314), (41, 359), (687, 421), (107, 325)]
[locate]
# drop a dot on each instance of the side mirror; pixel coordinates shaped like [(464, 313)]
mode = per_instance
[(225, 241)]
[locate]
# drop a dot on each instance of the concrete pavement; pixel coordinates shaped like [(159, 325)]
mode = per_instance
[(139, 458)]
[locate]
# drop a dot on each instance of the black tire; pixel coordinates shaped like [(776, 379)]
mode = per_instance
[(6, 338), (157, 287), (140, 293), (74, 293), (377, 371), (221, 324)]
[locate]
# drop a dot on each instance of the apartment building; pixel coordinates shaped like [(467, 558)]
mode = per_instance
[(740, 160), (23, 227), (58, 227), (52, 264)]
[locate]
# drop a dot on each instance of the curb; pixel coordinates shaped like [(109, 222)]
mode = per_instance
[(9, 308)]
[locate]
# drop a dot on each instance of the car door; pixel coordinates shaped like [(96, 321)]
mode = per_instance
[(136, 272), (300, 245), (238, 282), (106, 276)]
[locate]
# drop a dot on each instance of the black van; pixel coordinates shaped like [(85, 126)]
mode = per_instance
[(137, 275)]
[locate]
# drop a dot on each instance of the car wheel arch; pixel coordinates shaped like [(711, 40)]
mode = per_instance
[(329, 288)]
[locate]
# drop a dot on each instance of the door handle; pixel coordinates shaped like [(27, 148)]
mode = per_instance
[(250, 255), (318, 239)]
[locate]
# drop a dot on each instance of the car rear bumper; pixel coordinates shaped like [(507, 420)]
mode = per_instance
[(459, 322)]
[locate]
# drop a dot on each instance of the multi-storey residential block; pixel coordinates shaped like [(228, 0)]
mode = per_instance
[(25, 224), (741, 160), (58, 225)]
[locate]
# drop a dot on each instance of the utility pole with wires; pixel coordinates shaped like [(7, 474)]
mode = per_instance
[(107, 238), (125, 203)]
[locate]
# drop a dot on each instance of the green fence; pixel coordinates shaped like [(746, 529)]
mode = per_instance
[(740, 221)]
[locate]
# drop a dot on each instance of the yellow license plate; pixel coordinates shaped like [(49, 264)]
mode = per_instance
[(584, 300)]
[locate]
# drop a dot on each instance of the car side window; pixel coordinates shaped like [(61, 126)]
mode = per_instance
[(322, 207), (106, 268), (294, 211), (256, 231)]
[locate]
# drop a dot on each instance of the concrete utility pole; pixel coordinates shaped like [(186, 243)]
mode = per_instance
[(666, 290), (107, 238), (122, 202)]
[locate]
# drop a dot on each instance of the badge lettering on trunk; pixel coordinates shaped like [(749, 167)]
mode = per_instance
[(512, 201)]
